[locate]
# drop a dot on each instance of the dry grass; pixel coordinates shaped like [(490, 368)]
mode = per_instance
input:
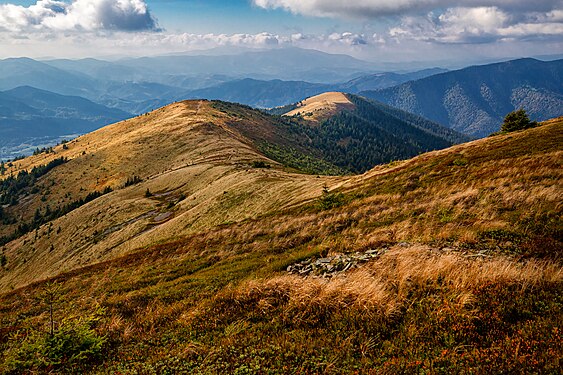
[(210, 304), (385, 285), (185, 150), (320, 107), (481, 294)]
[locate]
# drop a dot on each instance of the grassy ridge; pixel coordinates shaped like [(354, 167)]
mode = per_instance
[(185, 150), (470, 282)]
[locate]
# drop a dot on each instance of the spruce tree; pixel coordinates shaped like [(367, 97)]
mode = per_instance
[(517, 120)]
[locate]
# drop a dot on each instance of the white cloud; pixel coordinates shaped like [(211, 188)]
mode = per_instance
[(80, 15), (260, 40), (375, 8), (348, 38), (478, 25), (200, 41), (469, 21)]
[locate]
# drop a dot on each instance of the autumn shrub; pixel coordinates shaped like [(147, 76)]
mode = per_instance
[(75, 344)]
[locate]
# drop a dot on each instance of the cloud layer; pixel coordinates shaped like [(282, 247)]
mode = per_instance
[(469, 21), (261, 40), (411, 29), (376, 8), (479, 25), (80, 15)]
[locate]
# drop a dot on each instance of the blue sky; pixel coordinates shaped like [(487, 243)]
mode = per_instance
[(376, 30), (224, 16), (235, 16)]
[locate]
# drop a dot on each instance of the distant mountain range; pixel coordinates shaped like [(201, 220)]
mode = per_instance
[(274, 93), (474, 100), (258, 78), (285, 64), (41, 104), (45, 100), (31, 117), (15, 72)]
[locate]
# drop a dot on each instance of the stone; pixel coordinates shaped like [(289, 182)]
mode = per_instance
[(328, 267)]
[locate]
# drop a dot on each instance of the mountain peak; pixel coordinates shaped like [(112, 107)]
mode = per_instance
[(320, 107)]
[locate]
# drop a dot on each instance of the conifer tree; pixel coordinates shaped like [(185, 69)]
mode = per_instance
[(517, 120)]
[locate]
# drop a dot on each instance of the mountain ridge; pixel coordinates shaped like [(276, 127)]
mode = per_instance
[(474, 100), (455, 260), (178, 170)]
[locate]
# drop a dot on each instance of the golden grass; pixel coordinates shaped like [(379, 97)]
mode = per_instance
[(384, 285), (478, 293), (322, 106), (511, 183), (183, 150)]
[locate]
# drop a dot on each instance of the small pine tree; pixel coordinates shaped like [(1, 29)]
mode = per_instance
[(148, 193), (71, 343), (517, 120)]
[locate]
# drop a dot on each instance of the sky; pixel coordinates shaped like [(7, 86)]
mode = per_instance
[(373, 30)]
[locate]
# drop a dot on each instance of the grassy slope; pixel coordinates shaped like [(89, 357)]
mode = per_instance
[(476, 290), (321, 107), (355, 133), (190, 155)]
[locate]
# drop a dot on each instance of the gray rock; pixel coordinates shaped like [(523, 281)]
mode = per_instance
[(328, 267)]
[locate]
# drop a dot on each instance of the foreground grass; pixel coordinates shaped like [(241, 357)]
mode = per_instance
[(477, 288), (412, 310)]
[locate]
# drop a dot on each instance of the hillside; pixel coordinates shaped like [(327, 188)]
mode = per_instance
[(355, 133), (31, 118), (321, 107), (384, 80), (458, 265), (204, 163), (474, 100), (195, 157)]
